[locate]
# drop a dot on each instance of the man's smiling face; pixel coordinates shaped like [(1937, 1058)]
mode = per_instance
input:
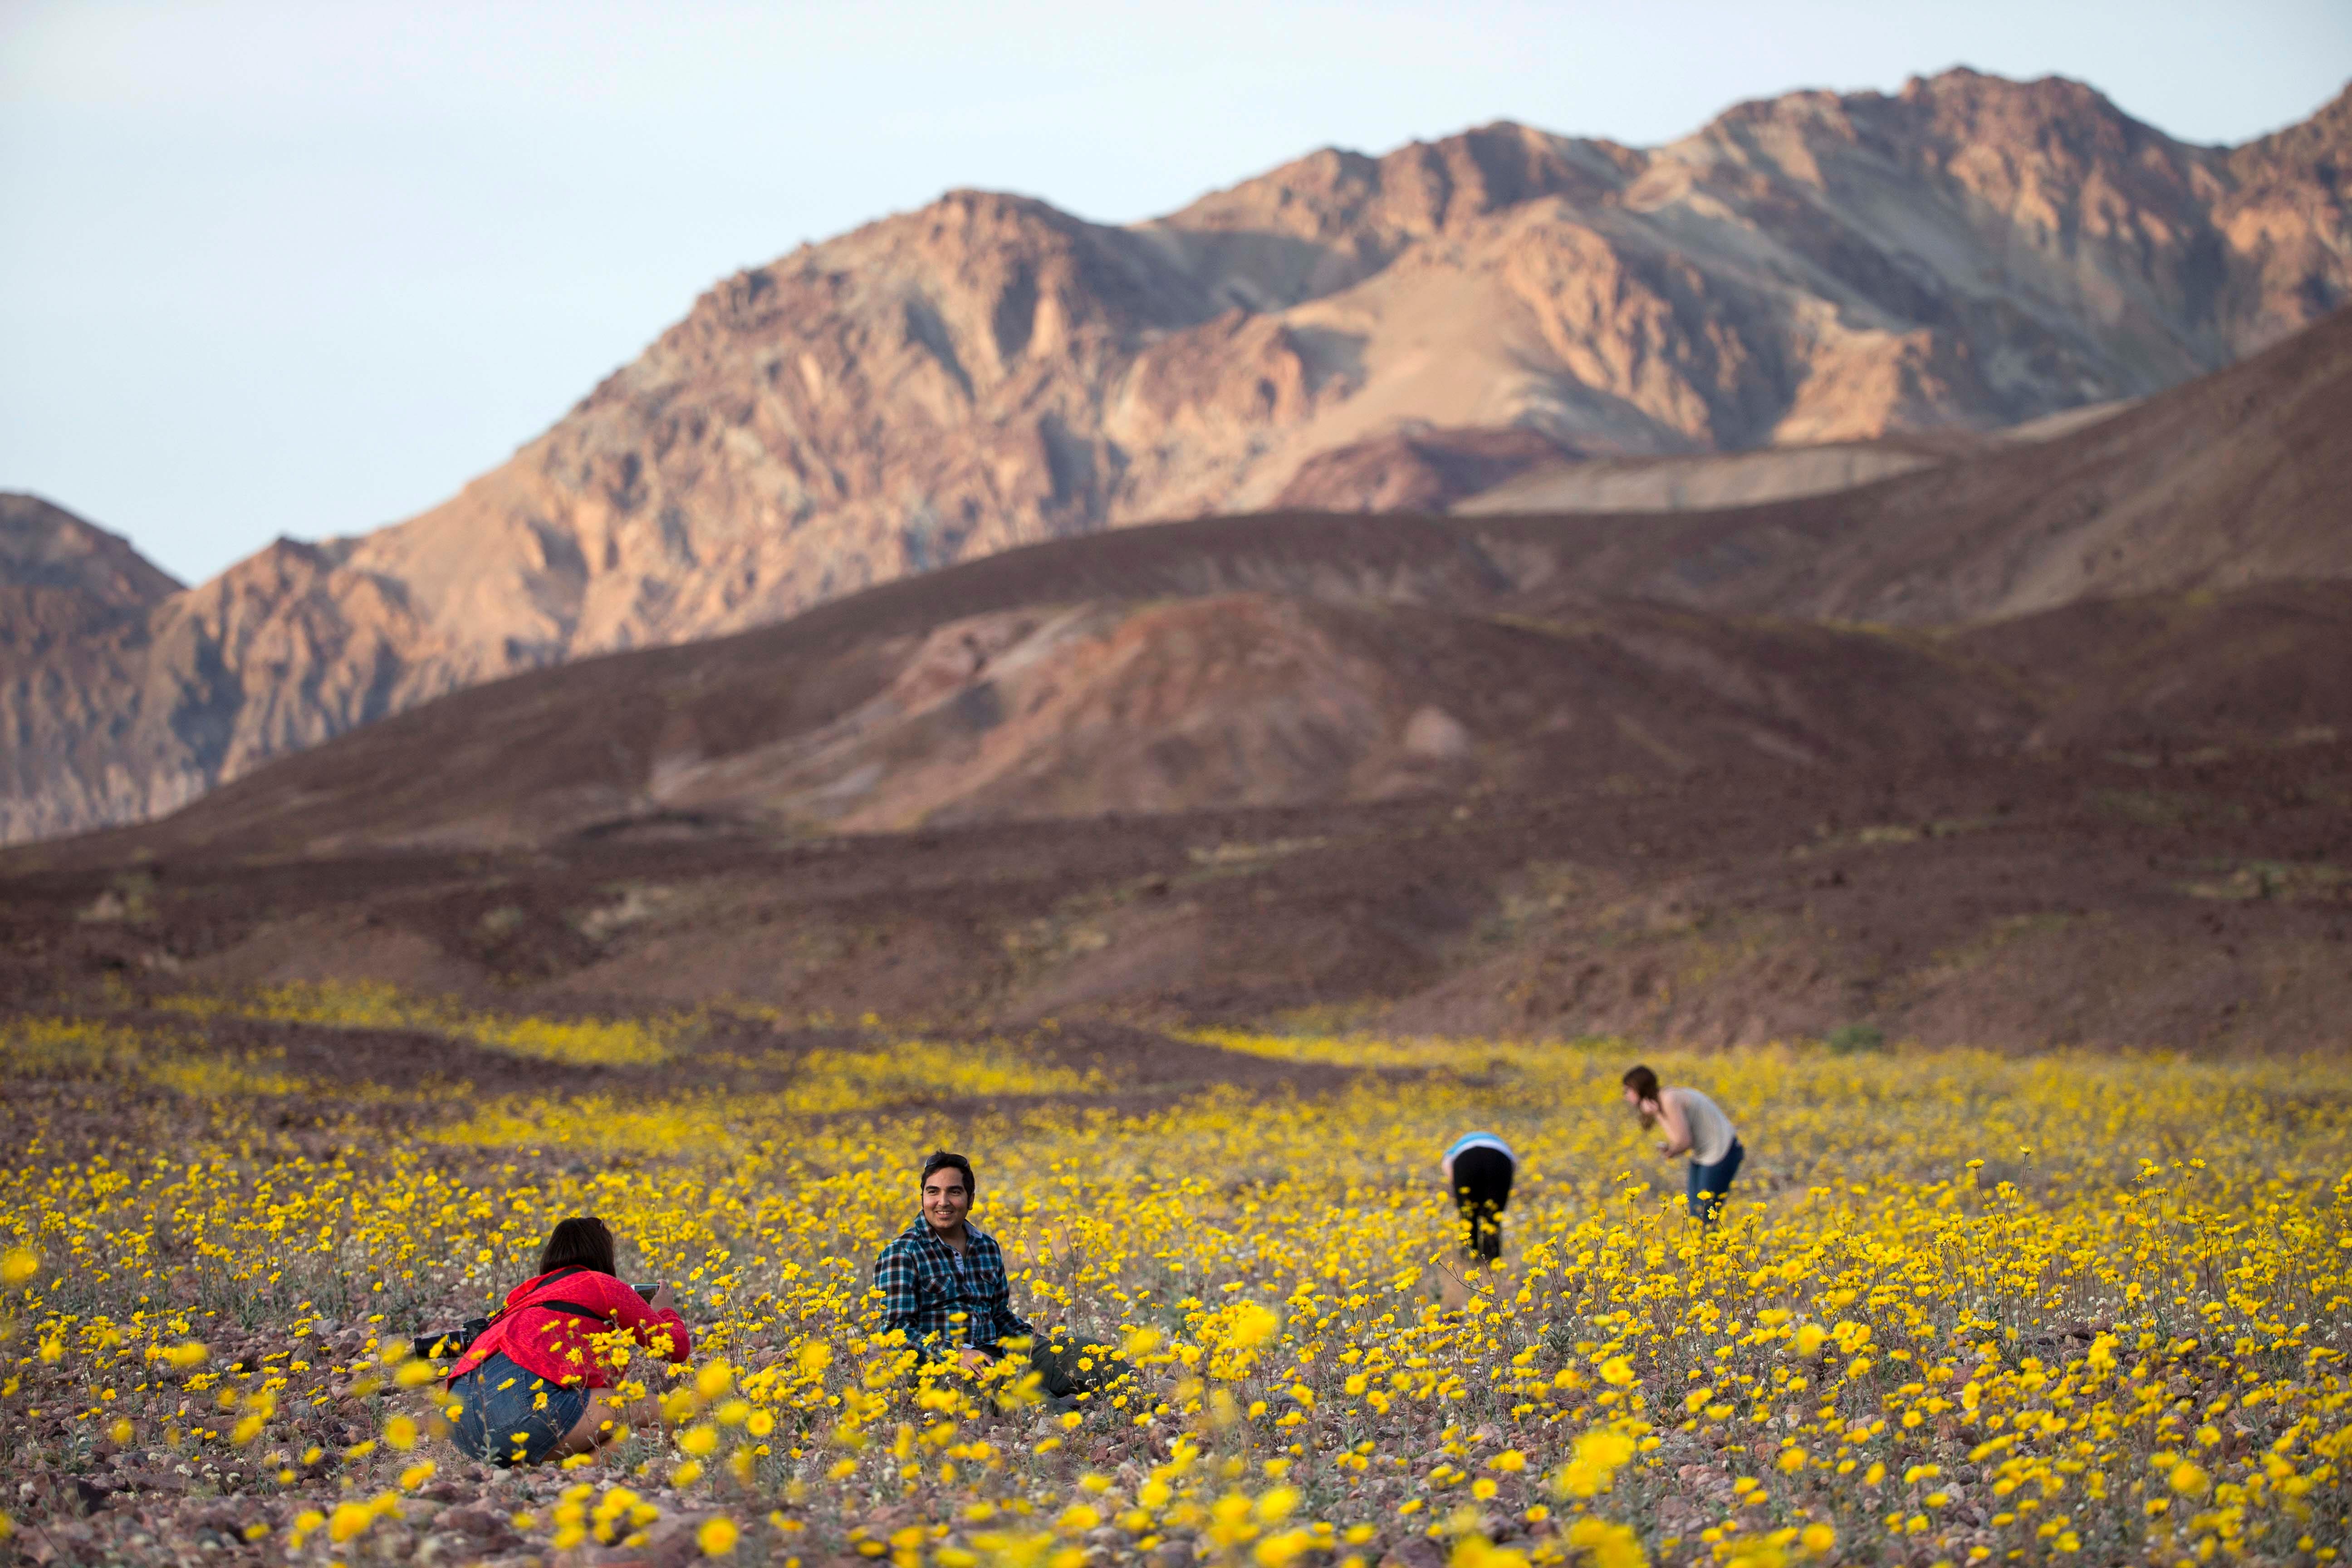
[(946, 1199)]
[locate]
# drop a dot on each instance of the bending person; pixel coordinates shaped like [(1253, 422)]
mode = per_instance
[(943, 1286), (1694, 1125), (537, 1384), (1479, 1168)]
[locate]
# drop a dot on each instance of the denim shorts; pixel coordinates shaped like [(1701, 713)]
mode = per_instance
[(512, 1417)]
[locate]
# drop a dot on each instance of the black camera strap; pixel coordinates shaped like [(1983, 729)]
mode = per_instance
[(573, 1308), (434, 1345)]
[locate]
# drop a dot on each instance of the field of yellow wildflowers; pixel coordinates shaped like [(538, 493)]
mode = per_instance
[(1963, 1309)]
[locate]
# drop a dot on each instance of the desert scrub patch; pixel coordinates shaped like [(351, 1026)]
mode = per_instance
[(632, 904), (1238, 855), (2288, 881), (824, 1083), (1324, 1020), (128, 898), (502, 921), (1715, 947), (364, 1005), (2165, 808), (2005, 931), (1879, 834), (1035, 946), (1852, 1039), (1542, 892), (43, 1048), (217, 1078)]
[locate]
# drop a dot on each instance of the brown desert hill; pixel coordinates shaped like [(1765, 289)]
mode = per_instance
[(987, 371), (2236, 478), (1291, 660), (2202, 673), (2192, 900), (1250, 698), (1099, 707)]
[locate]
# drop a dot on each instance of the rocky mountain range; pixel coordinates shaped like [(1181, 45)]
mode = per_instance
[(2175, 577), (1860, 274)]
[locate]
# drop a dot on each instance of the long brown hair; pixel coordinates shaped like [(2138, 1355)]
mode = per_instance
[(1644, 1085)]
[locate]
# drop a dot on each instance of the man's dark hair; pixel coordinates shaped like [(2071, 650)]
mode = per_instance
[(580, 1242), (941, 1159)]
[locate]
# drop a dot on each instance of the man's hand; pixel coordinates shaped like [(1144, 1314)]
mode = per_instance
[(662, 1301), (973, 1361)]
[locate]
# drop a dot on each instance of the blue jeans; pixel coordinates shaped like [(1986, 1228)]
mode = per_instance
[(1710, 1183), (512, 1417)]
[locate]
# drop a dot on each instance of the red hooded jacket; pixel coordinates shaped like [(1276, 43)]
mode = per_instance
[(560, 1346)]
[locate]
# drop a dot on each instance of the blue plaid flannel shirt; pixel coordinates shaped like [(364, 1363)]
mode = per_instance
[(943, 1303)]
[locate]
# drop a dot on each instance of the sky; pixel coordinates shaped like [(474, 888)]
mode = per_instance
[(304, 268)]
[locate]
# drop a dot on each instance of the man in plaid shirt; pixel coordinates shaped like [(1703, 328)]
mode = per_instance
[(942, 1279)]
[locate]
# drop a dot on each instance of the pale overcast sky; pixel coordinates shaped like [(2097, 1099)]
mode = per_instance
[(306, 267)]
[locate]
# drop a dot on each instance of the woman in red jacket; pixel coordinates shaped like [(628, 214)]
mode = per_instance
[(538, 1383)]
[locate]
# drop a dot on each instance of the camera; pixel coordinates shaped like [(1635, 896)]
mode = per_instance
[(451, 1343)]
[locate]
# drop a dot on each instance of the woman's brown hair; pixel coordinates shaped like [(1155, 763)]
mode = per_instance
[(580, 1242), (1644, 1085)]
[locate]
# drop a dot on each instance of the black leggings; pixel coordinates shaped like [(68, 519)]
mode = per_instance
[(1482, 1189)]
